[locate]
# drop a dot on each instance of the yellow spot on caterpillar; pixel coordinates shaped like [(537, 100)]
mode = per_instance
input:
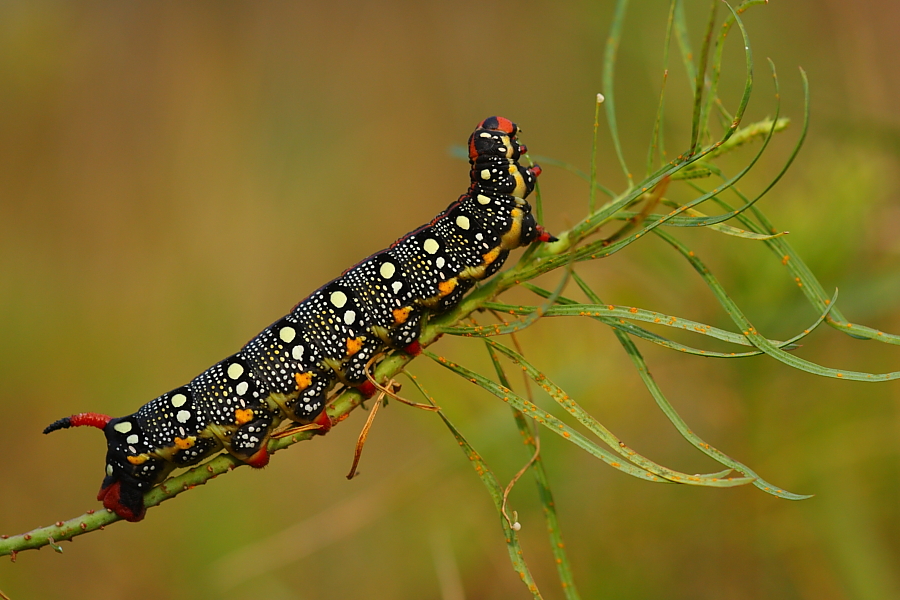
[(138, 460), (185, 443), (235, 370), (338, 299), (243, 415), (353, 346), (431, 246), (485, 174), (482, 199), (387, 270), (445, 287), (303, 380), (401, 315)]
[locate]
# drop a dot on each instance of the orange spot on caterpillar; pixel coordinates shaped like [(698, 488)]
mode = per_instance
[(138, 460), (353, 346), (303, 380), (491, 256), (401, 315), (185, 443), (445, 287), (243, 415)]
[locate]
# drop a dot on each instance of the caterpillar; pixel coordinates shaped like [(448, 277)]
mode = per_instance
[(288, 370)]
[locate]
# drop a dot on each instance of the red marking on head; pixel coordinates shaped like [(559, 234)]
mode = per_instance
[(414, 349), (110, 498), (367, 389), (260, 459), (89, 419), (536, 170), (503, 124), (473, 153), (325, 421)]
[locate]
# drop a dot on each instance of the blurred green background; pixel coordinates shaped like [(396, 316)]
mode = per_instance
[(175, 176)]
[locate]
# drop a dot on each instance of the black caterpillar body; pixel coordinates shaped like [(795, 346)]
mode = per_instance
[(287, 370)]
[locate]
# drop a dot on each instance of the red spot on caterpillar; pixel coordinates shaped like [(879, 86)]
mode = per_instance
[(260, 459), (110, 496), (536, 170), (414, 349), (324, 421), (367, 389)]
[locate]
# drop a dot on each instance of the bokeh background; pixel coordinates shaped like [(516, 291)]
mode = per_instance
[(175, 176)]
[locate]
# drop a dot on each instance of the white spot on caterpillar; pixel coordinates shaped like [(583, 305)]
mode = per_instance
[(287, 334), (339, 299), (479, 237), (462, 222), (109, 469), (242, 388), (387, 270), (132, 439), (484, 134), (178, 400), (482, 199), (297, 352), (431, 246), (235, 370), (183, 416), (123, 427), (485, 174), (349, 317), (396, 286), (440, 262)]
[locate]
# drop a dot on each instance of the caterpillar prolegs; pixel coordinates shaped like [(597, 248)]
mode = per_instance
[(287, 371)]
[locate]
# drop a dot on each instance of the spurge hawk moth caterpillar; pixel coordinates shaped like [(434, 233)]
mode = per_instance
[(287, 371)]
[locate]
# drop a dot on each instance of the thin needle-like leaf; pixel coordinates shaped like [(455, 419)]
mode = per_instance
[(644, 334), (545, 419), (657, 146), (593, 181), (609, 70), (678, 422), (608, 438), (563, 565), (494, 489), (755, 338), (697, 125)]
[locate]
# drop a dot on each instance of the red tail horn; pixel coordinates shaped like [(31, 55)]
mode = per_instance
[(80, 420)]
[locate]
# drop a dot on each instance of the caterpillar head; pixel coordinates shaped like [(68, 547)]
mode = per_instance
[(495, 136)]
